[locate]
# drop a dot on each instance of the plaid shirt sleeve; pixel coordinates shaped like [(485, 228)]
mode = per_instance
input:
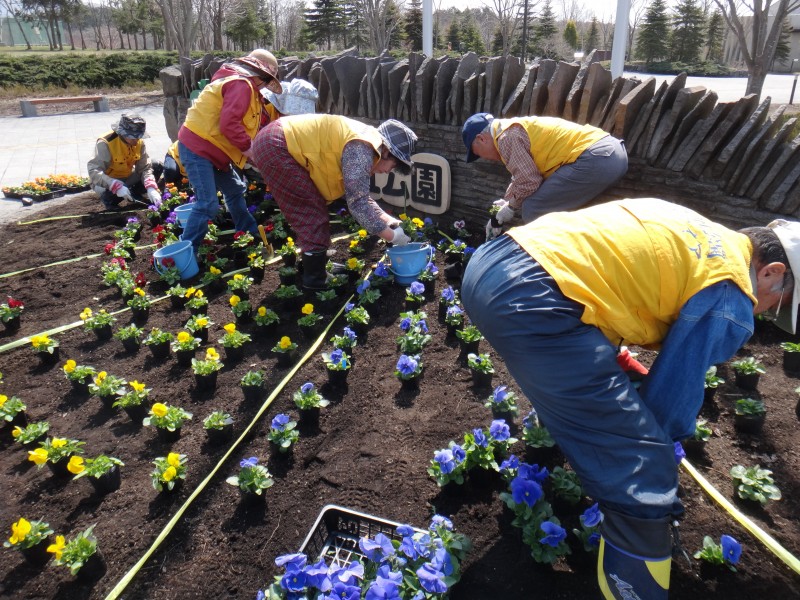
[(514, 146), (357, 160)]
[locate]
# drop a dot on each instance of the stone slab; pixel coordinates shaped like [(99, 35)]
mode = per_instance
[(533, 73), (541, 87), (697, 135), (630, 105), (733, 150), (514, 102), (470, 97), (661, 108), (614, 95), (736, 182), (349, 73), (598, 83), (424, 88), (513, 70), (787, 159), (628, 85), (385, 68), (778, 195), (572, 104), (493, 77), (559, 87), (397, 76), (685, 100), (700, 111), (442, 85)]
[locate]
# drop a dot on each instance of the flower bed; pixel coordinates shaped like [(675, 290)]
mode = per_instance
[(374, 444)]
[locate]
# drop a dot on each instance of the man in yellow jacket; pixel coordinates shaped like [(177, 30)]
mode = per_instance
[(308, 161), (121, 169), (214, 140), (555, 164), (556, 299)]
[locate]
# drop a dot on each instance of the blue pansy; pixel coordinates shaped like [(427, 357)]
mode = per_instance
[(248, 462), (349, 574), (279, 421), (458, 453), (533, 472), (350, 333), (431, 579), (439, 521), (480, 438), (342, 591), (417, 288), (731, 549), (510, 464), (376, 549), (381, 270), (499, 430), (499, 394), (407, 365), (454, 310), (592, 516), (554, 534), (317, 576), (525, 491), (307, 387), (448, 294), (348, 307), (405, 324), (446, 460)]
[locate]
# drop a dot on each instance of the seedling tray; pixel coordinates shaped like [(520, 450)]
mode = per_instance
[(335, 534)]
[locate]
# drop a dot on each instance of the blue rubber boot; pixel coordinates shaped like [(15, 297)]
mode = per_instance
[(635, 557)]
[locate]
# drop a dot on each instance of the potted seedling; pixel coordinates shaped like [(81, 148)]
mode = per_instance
[(447, 298), (482, 369), (252, 384), (169, 471), (219, 427), (287, 275), (415, 295), (540, 446), (283, 433), (10, 312), (309, 322), (198, 326), (416, 336), (56, 453), (185, 346), (748, 371), (726, 553), (309, 401), (197, 303), (135, 402), (80, 555), (12, 412), (502, 403), (696, 444), (139, 305), (469, 339), (168, 421), (357, 318), (285, 351), (750, 415), (252, 479), (712, 383), (289, 296), (346, 341), (130, 336), (288, 253), (791, 357), (46, 348), (234, 341), (30, 539), (103, 472), (266, 320), (159, 343), (241, 309), (754, 484), (206, 370), (30, 433), (454, 319), (177, 295), (79, 376), (337, 363), (107, 387), (100, 323), (240, 285), (409, 371)]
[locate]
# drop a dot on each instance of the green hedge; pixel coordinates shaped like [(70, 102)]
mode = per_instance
[(89, 70)]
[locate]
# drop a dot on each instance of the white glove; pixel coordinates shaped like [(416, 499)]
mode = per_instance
[(506, 213), (153, 196), (119, 188), (492, 232), (399, 237)]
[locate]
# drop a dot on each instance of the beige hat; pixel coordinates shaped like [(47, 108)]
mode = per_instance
[(788, 233), (262, 63)]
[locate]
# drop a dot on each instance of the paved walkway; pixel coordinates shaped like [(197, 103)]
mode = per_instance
[(39, 146)]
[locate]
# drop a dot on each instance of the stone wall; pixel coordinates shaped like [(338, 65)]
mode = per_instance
[(733, 161)]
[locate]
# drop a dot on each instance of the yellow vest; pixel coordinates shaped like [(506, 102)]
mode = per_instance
[(633, 264), (203, 117), (123, 157), (554, 142), (173, 152), (316, 143)]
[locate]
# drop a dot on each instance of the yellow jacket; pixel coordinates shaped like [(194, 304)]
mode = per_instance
[(316, 143), (123, 156), (633, 264), (203, 117), (554, 142), (173, 152)]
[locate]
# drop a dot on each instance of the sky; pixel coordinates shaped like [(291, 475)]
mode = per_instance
[(607, 8)]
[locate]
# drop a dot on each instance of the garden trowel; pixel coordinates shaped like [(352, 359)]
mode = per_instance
[(269, 252)]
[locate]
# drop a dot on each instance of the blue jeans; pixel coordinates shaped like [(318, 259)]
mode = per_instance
[(619, 442), (205, 179)]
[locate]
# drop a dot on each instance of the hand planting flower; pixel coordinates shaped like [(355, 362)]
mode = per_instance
[(408, 367), (252, 478), (338, 360), (283, 432), (169, 470), (211, 363), (309, 397), (167, 417), (27, 534), (233, 338), (11, 309), (44, 344), (502, 400), (285, 344), (727, 552)]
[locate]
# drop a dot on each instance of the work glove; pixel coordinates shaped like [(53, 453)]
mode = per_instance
[(506, 213), (399, 237), (120, 189), (635, 370), (153, 196), (491, 231)]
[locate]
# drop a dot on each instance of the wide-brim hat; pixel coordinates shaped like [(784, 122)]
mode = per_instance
[(470, 130), (299, 97), (788, 233), (399, 139), (262, 69), (130, 126)]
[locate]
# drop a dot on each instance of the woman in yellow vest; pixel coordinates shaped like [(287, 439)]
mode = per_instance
[(556, 299), (309, 161), (174, 173), (214, 140), (555, 164), (120, 168)]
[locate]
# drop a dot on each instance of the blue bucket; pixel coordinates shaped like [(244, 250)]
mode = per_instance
[(409, 261), (182, 213), (183, 255)]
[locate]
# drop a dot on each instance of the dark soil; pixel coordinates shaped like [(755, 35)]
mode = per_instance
[(370, 453)]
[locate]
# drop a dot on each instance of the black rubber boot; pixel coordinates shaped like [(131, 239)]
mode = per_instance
[(635, 557), (315, 277)]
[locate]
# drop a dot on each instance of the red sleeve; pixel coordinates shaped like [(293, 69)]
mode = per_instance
[(235, 103)]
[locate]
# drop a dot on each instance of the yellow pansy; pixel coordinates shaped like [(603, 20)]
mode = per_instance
[(403, 217), (362, 233), (353, 243), (174, 459), (69, 366), (201, 321), (3, 399), (418, 222), (214, 270), (169, 474), (184, 337), (307, 309), (230, 328), (19, 531), (212, 354), (190, 292), (159, 409), (238, 277), (38, 456), (289, 242), (285, 342), (252, 255), (58, 547), (137, 387), (58, 443), (101, 376), (15, 433), (234, 300), (173, 190), (75, 465), (86, 314), (262, 311), (198, 293), (138, 291), (352, 263), (38, 341)]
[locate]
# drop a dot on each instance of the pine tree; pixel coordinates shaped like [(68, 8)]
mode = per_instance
[(546, 27), (571, 34), (470, 36), (454, 35), (687, 32), (413, 25), (497, 44), (784, 46), (715, 37), (653, 40), (324, 21), (592, 38)]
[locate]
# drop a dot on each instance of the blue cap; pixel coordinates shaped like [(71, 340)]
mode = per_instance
[(472, 127)]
